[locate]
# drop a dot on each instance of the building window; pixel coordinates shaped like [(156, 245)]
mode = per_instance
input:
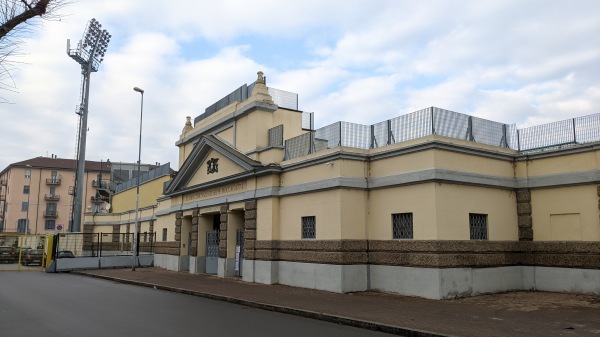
[(52, 190), (402, 226), (145, 236), (50, 224), (309, 227), (24, 206), (164, 234), (26, 189), (21, 226), (478, 226), (27, 174)]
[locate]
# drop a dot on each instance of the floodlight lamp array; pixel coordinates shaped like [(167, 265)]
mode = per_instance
[(92, 47)]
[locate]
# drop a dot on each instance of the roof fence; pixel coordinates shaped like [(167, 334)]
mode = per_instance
[(160, 171), (436, 121), (283, 99)]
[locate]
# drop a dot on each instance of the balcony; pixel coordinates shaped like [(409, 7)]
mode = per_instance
[(3, 182), (53, 181), (51, 197), (99, 199), (104, 184), (50, 214)]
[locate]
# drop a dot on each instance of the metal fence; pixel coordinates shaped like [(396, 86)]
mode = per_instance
[(435, 121), (282, 98), (15, 248), (105, 244), (560, 134), (160, 171)]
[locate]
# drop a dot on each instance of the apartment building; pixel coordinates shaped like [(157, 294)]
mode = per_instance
[(36, 194)]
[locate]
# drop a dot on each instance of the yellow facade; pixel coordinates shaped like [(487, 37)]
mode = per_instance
[(566, 214), (426, 202)]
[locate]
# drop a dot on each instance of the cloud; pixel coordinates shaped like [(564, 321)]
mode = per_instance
[(509, 61)]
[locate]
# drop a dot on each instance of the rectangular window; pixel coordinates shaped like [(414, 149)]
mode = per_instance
[(402, 226), (309, 227), (52, 190), (145, 236), (22, 226), (50, 224), (478, 226), (164, 234), (26, 189), (24, 206), (27, 174)]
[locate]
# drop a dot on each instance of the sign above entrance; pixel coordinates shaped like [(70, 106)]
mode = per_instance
[(216, 191)]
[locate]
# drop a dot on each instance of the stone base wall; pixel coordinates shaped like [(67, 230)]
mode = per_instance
[(434, 254), (430, 269)]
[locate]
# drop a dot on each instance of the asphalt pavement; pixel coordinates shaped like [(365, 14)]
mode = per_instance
[(506, 314)]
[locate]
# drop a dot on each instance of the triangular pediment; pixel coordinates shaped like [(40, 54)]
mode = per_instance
[(211, 160)]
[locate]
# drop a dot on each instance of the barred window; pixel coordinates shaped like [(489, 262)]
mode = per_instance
[(478, 226), (308, 227), (402, 226)]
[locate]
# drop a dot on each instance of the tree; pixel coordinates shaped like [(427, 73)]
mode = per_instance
[(16, 19)]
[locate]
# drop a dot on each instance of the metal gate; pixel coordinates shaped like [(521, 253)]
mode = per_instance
[(212, 251), (23, 252), (239, 251)]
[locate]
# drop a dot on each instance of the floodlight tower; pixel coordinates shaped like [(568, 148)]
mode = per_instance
[(89, 54)]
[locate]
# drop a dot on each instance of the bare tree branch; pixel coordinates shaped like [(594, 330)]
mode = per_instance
[(16, 19)]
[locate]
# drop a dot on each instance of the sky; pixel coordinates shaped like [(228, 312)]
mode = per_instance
[(362, 61)]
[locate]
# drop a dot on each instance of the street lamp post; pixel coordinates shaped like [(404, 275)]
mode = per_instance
[(28, 199), (137, 192)]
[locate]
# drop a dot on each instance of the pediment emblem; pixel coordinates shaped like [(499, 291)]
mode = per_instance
[(212, 165)]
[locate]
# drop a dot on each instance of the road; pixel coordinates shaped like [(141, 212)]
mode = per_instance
[(64, 305)]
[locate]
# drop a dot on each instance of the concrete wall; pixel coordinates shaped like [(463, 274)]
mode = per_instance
[(169, 262)]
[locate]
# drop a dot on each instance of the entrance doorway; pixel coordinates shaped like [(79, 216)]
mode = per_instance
[(239, 251), (212, 246)]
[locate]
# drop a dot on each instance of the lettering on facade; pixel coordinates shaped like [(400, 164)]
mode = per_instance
[(212, 165), (216, 191), (210, 209)]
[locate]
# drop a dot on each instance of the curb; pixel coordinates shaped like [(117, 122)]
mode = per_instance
[(369, 325)]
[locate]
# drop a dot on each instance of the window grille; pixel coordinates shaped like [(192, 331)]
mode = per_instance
[(308, 227), (402, 225), (50, 224), (478, 226)]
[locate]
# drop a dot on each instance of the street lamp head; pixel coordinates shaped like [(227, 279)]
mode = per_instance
[(141, 91)]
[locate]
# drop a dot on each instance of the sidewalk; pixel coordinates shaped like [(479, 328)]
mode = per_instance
[(508, 314)]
